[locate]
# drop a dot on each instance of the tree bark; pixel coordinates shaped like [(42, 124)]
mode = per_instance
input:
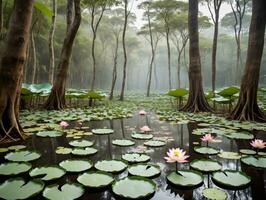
[(11, 70), (196, 100), (51, 45), (56, 99), (247, 107), (1, 17), (34, 59), (169, 60)]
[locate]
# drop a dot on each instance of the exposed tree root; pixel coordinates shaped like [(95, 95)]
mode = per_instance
[(55, 101)]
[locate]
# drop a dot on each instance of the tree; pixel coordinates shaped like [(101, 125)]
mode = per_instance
[(196, 100), (11, 69), (247, 107), (56, 99)]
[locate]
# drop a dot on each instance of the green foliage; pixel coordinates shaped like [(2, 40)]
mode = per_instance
[(179, 92), (43, 8)]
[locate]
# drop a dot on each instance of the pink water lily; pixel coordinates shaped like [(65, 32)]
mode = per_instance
[(176, 155), (63, 124), (207, 138), (145, 129), (259, 144), (142, 112)]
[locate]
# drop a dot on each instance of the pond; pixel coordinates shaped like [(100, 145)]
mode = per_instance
[(175, 135)]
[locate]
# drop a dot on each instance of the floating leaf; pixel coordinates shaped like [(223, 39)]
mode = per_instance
[(206, 165), (81, 143), (2, 150), (17, 188), (144, 170), (63, 150), (231, 179), (229, 155), (14, 168), (72, 165), (247, 151), (23, 156), (240, 135), (123, 142), (112, 166), (97, 179), (179, 92), (134, 187), (255, 161), (102, 131), (206, 150), (84, 152), (49, 134), (142, 136), (68, 191), (214, 194), (135, 157), (47, 173), (154, 143), (185, 178), (17, 147)]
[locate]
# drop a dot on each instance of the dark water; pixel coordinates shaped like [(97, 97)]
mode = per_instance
[(177, 135)]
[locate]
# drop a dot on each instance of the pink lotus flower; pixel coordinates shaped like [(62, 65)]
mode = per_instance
[(176, 155), (63, 124), (259, 144), (207, 138), (142, 112), (145, 129)]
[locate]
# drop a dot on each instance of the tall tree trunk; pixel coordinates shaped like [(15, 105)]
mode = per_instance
[(169, 60), (51, 45), (114, 68), (1, 18), (124, 52), (11, 69), (196, 100), (56, 99), (34, 59), (247, 107)]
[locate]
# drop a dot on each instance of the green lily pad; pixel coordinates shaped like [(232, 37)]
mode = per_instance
[(259, 161), (22, 156), (144, 170), (214, 194), (206, 165), (14, 168), (135, 157), (229, 155), (206, 150), (112, 166), (84, 152), (3, 150), (185, 178), (231, 179), (134, 187), (240, 135), (154, 143), (81, 143), (97, 179), (247, 151), (49, 134), (63, 151), (68, 191), (17, 147), (261, 153), (142, 136), (102, 131), (17, 188), (47, 173), (123, 143), (72, 165)]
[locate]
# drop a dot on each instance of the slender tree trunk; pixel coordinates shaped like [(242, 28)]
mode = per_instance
[(11, 69), (70, 9), (1, 18), (34, 59), (214, 52), (247, 107), (169, 60), (124, 52), (51, 45), (178, 69), (56, 99), (114, 68), (196, 100)]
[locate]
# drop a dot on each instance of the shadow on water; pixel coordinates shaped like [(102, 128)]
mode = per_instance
[(176, 135)]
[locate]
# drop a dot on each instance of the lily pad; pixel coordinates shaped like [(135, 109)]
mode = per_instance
[(68, 191), (17, 188), (47, 173), (49, 134), (229, 155), (144, 170), (142, 136), (206, 150), (186, 178), (63, 150), (81, 143), (247, 151), (154, 143), (102, 131), (2, 150), (22, 156), (123, 142), (72, 165), (255, 161), (135, 157), (240, 135), (14, 168), (112, 166), (17, 147), (134, 187), (206, 165), (231, 179), (214, 194), (84, 152), (97, 179)]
